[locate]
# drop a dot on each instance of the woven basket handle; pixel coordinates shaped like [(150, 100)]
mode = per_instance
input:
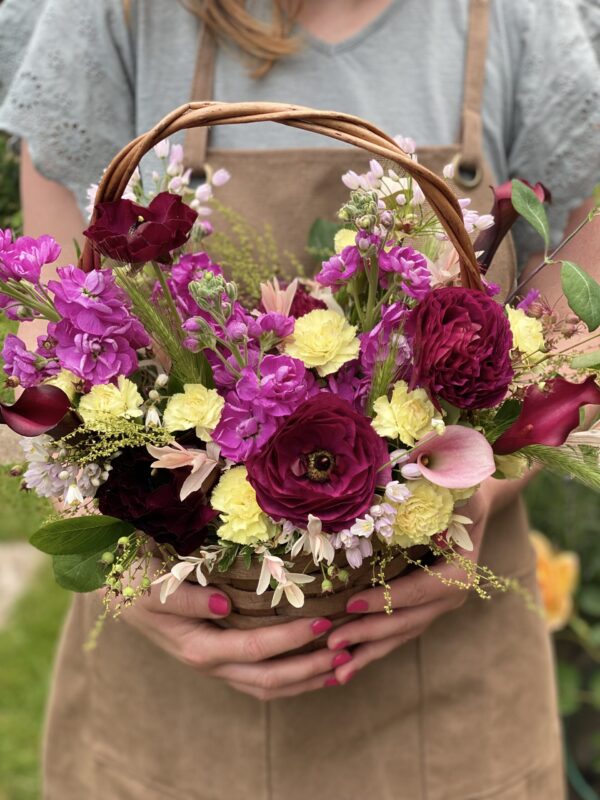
[(344, 127)]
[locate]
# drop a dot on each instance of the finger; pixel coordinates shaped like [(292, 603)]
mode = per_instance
[(417, 588), (375, 627), (260, 644), (283, 672), (372, 651), (312, 685), (190, 600)]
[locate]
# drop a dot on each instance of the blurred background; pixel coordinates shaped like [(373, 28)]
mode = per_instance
[(565, 515)]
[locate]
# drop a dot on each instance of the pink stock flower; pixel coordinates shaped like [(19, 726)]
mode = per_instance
[(548, 417), (174, 456), (459, 458)]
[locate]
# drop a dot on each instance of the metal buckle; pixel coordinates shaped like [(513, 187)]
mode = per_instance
[(465, 175)]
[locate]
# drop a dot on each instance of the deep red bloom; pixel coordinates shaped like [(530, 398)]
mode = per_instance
[(127, 232), (304, 302), (461, 342), (151, 501), (548, 417), (38, 410), (505, 215), (324, 460)]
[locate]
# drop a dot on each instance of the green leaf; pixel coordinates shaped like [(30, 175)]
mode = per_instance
[(587, 360), (595, 689), (452, 412), (569, 688), (80, 572), (507, 414), (229, 556), (531, 208), (582, 293), (594, 635), (589, 600), (321, 238), (80, 535), (246, 554)]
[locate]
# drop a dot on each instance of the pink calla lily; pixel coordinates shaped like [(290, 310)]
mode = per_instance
[(505, 215), (457, 459), (38, 410), (548, 417)]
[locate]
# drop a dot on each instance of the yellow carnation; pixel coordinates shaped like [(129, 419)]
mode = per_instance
[(66, 381), (197, 407), (323, 339), (426, 512), (243, 519), (557, 575), (462, 495), (344, 238), (406, 415), (106, 400), (511, 466), (528, 334)]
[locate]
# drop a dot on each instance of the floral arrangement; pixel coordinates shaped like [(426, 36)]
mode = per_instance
[(344, 419)]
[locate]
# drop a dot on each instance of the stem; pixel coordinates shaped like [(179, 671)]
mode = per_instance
[(359, 312), (372, 277), (172, 308), (31, 300), (551, 258)]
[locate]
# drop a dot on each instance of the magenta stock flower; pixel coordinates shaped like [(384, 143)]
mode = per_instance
[(129, 233), (375, 345), (340, 268), (24, 258), (277, 324), (459, 458), (505, 215), (411, 266), (190, 267), (284, 384), (325, 459), (27, 367), (239, 432), (547, 417), (461, 343), (351, 385)]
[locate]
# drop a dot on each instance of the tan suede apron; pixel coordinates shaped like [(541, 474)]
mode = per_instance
[(466, 712)]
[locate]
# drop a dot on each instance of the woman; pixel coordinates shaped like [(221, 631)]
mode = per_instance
[(431, 704)]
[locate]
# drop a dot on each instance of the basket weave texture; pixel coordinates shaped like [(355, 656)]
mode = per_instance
[(250, 610)]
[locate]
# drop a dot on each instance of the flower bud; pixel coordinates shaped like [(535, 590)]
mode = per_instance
[(326, 586), (153, 395), (107, 557), (123, 541), (161, 380), (129, 592), (343, 576), (63, 475)]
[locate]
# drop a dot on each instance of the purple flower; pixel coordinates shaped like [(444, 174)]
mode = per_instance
[(277, 324), (24, 258), (284, 384), (190, 267), (375, 345), (532, 296), (340, 268), (92, 301), (98, 358), (349, 384), (29, 368), (239, 433), (412, 268)]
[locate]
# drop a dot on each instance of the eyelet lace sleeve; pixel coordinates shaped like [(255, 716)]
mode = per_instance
[(70, 95), (556, 124)]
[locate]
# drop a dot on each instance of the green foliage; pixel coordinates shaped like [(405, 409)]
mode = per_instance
[(22, 511), (321, 239), (530, 207), (80, 572), (569, 688), (80, 535), (574, 462), (10, 212), (230, 553), (507, 414), (587, 361), (582, 293)]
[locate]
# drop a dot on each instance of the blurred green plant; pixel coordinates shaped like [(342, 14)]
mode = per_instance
[(10, 211)]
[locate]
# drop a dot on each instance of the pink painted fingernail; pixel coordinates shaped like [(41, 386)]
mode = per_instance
[(321, 626), (357, 607), (349, 677), (341, 659), (331, 682), (218, 604), (341, 645)]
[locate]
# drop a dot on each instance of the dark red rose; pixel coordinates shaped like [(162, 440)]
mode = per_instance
[(548, 417), (127, 232), (39, 409), (324, 460), (151, 501), (505, 215), (461, 342), (303, 302)]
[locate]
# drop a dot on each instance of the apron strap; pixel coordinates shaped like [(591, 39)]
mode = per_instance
[(470, 160), (196, 139)]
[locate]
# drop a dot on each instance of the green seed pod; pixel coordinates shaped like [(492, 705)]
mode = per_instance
[(123, 541), (326, 586), (107, 558), (343, 576), (129, 592)]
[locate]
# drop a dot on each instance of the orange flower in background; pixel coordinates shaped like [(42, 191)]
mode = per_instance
[(558, 576)]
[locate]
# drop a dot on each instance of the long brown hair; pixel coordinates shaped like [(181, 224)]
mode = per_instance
[(229, 20)]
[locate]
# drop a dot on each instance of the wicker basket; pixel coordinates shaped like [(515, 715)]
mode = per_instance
[(248, 609)]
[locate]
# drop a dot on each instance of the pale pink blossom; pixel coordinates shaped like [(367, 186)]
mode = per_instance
[(278, 300), (459, 458), (174, 456), (288, 583), (315, 542)]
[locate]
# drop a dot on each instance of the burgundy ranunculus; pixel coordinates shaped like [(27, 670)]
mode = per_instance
[(505, 215), (324, 460), (133, 234), (461, 342), (151, 501), (548, 417)]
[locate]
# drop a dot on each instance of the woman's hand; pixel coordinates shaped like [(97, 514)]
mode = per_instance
[(418, 600), (246, 660)]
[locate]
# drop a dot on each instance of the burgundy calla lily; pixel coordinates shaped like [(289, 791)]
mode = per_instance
[(38, 410), (133, 234), (548, 417), (505, 216)]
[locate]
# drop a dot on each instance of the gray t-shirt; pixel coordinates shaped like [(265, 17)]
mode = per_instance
[(78, 83)]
